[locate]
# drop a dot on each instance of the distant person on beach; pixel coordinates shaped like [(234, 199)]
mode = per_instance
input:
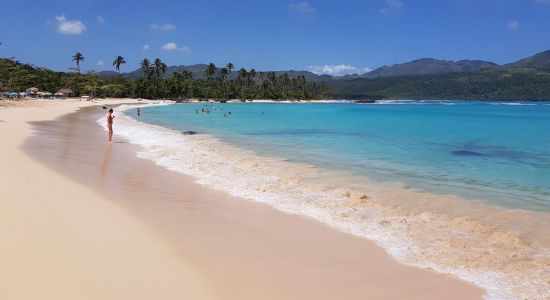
[(110, 118), (139, 111)]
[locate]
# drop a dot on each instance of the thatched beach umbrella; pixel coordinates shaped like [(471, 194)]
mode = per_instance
[(32, 90), (65, 92)]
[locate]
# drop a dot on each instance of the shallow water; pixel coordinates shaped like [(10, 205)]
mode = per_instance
[(494, 151), (436, 184)]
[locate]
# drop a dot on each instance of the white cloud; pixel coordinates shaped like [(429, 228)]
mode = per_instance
[(513, 25), (171, 46), (100, 19), (146, 47), (65, 26), (302, 7), (100, 63), (392, 5), (162, 27), (337, 70)]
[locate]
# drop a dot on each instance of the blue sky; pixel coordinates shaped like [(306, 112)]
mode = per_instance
[(327, 36)]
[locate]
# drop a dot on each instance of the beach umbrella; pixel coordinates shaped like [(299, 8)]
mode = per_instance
[(32, 90), (65, 92)]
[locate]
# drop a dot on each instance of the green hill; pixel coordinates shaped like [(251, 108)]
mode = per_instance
[(430, 66), (488, 84), (540, 61)]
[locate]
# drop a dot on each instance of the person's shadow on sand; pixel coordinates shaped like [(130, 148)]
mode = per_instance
[(106, 159)]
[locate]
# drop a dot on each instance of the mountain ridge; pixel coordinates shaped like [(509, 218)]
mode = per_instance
[(430, 66), (422, 66)]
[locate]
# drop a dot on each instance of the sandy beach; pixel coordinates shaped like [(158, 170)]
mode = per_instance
[(84, 219)]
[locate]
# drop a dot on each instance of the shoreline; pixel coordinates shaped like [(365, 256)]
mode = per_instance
[(494, 252), (352, 101), (7, 103), (367, 260)]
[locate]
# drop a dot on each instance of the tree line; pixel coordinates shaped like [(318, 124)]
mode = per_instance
[(487, 84), (216, 82)]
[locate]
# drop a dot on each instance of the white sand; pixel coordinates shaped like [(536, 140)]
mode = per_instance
[(60, 240)]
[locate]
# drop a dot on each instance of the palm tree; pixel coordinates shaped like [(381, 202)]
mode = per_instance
[(223, 74), (163, 68), (210, 70), (251, 75), (242, 74), (186, 75), (78, 57), (145, 66), (230, 68), (160, 67), (285, 84), (119, 60)]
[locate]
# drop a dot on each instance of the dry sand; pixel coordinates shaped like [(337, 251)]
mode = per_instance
[(137, 231), (60, 240)]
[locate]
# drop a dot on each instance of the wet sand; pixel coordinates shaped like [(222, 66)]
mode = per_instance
[(243, 250)]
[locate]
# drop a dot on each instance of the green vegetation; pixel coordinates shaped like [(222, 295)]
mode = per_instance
[(487, 84), (527, 79), (16, 76)]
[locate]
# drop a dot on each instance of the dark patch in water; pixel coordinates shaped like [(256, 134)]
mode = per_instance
[(466, 153), (190, 132), (475, 148)]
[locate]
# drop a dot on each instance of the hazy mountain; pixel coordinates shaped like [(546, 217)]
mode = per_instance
[(540, 61), (107, 73), (430, 66)]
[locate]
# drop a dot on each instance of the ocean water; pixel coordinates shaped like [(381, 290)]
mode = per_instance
[(460, 187), (497, 152)]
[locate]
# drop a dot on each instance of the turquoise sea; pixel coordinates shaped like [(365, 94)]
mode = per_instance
[(497, 152)]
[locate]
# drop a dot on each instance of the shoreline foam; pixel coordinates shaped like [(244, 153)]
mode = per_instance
[(496, 259)]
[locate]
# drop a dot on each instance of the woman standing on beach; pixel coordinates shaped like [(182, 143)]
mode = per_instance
[(110, 118)]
